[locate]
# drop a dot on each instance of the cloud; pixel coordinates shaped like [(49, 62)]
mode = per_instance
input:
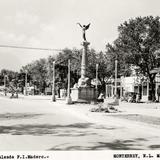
[(11, 38), (48, 28), (52, 23), (23, 18), (26, 31)]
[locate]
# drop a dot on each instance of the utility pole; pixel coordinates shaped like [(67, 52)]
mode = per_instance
[(5, 92), (116, 61), (69, 99), (25, 84), (97, 80), (53, 86)]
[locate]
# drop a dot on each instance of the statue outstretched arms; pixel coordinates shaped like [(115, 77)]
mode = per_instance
[(84, 28)]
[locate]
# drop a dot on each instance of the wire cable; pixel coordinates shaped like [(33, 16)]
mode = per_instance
[(31, 48)]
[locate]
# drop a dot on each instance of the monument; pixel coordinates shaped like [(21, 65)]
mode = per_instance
[(83, 92)]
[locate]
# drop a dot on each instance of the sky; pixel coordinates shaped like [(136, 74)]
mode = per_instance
[(53, 24)]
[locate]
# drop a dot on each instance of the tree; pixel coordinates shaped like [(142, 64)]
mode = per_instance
[(113, 53), (137, 43), (62, 66), (11, 76), (37, 73), (40, 72), (49, 62)]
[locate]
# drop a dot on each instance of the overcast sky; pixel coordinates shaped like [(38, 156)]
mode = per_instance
[(52, 24)]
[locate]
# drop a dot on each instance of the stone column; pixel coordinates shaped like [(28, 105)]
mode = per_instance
[(84, 79), (84, 59)]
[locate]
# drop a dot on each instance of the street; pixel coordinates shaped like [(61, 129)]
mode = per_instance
[(36, 123)]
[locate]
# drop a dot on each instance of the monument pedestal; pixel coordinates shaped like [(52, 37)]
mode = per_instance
[(83, 94)]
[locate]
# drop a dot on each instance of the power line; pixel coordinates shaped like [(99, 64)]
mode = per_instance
[(31, 48)]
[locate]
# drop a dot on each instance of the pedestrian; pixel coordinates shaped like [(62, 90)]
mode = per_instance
[(158, 92)]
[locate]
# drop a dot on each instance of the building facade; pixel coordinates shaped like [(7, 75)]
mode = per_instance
[(139, 85)]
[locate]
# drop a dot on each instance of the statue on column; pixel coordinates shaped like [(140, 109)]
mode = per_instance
[(84, 28), (84, 81), (83, 91)]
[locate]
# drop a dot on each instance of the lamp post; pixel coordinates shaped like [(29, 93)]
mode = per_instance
[(25, 84), (5, 92), (97, 80), (53, 87), (116, 61), (69, 99)]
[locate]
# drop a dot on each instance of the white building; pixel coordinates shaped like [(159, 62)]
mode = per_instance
[(135, 84)]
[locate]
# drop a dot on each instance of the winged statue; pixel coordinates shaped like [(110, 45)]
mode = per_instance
[(84, 28)]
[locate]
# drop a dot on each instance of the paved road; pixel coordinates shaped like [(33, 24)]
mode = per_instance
[(39, 124)]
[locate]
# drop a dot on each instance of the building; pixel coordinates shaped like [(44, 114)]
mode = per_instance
[(139, 85)]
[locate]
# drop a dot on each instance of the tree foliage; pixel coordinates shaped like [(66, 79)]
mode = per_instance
[(40, 72), (37, 73), (137, 43), (9, 77)]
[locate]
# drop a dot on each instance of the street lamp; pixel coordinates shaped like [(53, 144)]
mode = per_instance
[(69, 99), (116, 61), (25, 93), (5, 92), (97, 80), (53, 87)]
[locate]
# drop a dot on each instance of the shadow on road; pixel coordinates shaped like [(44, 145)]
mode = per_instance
[(11, 116), (139, 118), (84, 130), (113, 145), (46, 129), (76, 129), (154, 146)]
